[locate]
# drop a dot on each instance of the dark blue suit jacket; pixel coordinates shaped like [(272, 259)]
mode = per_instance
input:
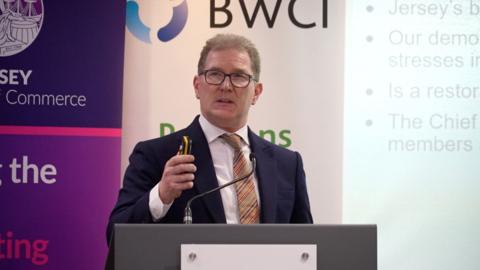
[(280, 176)]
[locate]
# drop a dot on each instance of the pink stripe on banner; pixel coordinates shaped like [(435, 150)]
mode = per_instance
[(61, 131)]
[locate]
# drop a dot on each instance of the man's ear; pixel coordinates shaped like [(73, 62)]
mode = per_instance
[(257, 92), (196, 83)]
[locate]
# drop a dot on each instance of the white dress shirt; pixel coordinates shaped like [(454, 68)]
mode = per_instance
[(222, 157)]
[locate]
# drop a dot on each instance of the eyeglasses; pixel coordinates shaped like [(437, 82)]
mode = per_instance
[(216, 77)]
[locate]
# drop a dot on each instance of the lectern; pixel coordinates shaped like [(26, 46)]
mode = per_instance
[(159, 246)]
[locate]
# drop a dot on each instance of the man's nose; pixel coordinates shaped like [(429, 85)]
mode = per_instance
[(227, 83)]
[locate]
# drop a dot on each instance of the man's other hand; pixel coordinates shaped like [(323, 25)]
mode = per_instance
[(177, 177)]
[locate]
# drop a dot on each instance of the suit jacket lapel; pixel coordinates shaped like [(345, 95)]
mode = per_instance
[(205, 177), (266, 176)]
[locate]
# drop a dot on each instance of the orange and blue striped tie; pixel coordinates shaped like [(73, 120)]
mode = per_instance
[(246, 197)]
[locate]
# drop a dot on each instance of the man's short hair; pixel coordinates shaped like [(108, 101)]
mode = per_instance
[(231, 41)]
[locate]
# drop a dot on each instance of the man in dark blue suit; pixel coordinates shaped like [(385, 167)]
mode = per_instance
[(158, 182)]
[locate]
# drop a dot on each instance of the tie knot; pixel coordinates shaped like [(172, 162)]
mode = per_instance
[(233, 140)]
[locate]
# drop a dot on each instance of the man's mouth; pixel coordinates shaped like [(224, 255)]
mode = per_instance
[(225, 100)]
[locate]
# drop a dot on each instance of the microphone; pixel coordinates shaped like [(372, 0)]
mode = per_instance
[(187, 217)]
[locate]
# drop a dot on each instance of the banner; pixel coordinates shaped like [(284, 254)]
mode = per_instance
[(301, 48), (61, 74)]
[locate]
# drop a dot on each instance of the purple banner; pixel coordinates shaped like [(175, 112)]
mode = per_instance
[(55, 196), (66, 68), (61, 77)]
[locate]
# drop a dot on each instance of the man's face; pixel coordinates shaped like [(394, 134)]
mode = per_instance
[(225, 105)]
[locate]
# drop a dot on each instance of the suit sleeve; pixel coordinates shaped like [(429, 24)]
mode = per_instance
[(301, 212), (141, 175)]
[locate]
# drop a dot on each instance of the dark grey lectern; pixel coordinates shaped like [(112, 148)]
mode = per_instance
[(157, 246)]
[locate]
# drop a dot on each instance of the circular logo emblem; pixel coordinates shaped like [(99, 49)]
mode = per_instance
[(20, 23), (166, 33)]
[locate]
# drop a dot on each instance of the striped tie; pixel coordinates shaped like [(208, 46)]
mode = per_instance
[(246, 197)]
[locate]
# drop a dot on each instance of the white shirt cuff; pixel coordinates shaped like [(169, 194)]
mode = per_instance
[(157, 208)]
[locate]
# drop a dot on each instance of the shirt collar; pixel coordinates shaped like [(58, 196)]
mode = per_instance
[(212, 132)]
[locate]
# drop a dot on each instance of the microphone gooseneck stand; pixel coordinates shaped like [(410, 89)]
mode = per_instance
[(187, 217)]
